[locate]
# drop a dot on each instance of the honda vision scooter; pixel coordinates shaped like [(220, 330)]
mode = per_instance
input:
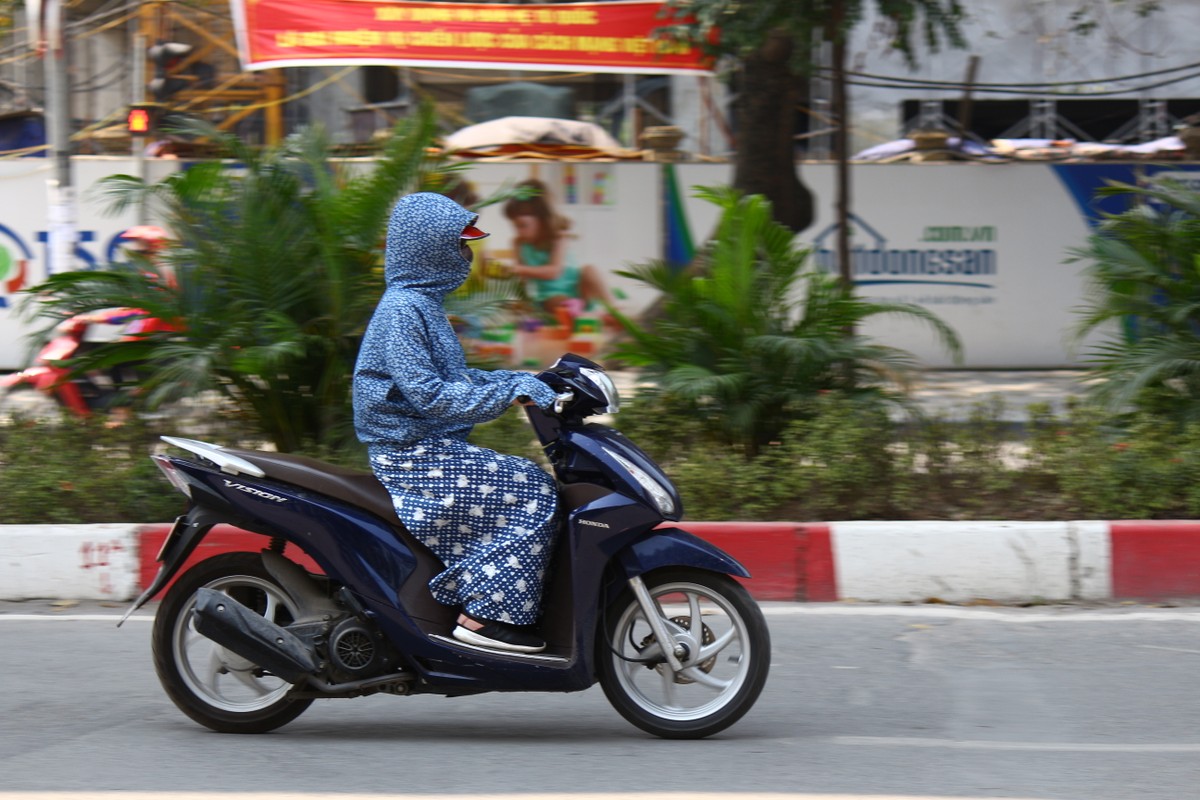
[(244, 642)]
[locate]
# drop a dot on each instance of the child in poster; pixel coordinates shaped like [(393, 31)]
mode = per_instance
[(554, 279)]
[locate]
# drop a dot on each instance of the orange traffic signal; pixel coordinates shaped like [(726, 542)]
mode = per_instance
[(139, 121)]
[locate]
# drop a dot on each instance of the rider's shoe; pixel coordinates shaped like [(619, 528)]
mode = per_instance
[(500, 636)]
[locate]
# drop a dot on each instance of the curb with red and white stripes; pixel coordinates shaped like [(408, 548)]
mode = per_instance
[(814, 562)]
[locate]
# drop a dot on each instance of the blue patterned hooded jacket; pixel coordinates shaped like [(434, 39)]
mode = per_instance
[(411, 381)]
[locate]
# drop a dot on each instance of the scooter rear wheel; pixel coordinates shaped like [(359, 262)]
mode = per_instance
[(726, 655), (213, 686)]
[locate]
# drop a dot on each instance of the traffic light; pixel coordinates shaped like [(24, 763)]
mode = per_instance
[(166, 57), (141, 119)]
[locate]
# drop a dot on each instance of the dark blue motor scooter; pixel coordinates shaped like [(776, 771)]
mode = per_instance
[(244, 642)]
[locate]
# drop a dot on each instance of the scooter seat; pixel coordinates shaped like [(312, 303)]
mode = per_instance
[(356, 487)]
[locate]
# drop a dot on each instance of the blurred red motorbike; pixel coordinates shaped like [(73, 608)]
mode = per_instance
[(83, 393)]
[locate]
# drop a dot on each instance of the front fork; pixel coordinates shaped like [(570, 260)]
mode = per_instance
[(671, 547), (654, 618)]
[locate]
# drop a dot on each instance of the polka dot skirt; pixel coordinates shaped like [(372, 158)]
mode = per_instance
[(488, 516)]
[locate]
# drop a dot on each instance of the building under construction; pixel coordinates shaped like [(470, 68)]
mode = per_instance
[(1030, 70)]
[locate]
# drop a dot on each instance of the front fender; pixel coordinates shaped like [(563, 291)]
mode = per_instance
[(674, 547)]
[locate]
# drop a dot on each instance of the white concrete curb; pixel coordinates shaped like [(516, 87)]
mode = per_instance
[(890, 562), (69, 562), (959, 561)]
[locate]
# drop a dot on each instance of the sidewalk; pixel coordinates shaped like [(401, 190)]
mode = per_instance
[(948, 392), (953, 392)]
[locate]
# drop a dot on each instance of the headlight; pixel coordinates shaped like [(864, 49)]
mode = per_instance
[(601, 379), (660, 495)]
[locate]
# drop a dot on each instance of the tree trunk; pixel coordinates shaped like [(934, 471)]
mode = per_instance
[(766, 162)]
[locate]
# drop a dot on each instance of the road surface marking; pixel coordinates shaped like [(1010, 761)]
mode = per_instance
[(1013, 615), (91, 795), (1057, 747)]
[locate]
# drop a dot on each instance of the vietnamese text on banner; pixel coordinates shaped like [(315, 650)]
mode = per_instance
[(591, 37)]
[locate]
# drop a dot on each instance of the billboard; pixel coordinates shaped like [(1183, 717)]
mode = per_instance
[(593, 37), (560, 254)]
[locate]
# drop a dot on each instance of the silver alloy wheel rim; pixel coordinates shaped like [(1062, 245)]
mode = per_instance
[(216, 676), (665, 694)]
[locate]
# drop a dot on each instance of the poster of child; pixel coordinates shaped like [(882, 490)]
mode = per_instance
[(552, 260), (567, 301), (542, 257)]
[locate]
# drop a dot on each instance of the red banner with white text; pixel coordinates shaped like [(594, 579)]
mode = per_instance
[(591, 37)]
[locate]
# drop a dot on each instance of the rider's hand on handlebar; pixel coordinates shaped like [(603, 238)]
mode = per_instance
[(559, 401)]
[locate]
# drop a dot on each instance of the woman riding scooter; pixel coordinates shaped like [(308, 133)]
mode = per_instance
[(490, 517)]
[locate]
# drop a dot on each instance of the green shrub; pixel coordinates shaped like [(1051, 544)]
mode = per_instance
[(273, 268), (753, 333), (848, 458), (82, 471), (1144, 284), (1106, 467), (838, 460)]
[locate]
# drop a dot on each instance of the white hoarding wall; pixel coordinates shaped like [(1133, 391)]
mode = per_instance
[(24, 234), (982, 246)]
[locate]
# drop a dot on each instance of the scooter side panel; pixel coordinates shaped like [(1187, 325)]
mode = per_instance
[(351, 546)]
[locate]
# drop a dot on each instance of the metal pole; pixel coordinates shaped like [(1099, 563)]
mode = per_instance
[(629, 103), (61, 192), (966, 104), (138, 143), (841, 149)]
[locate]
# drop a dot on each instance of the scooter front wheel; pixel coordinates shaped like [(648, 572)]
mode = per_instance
[(724, 647), (215, 687)]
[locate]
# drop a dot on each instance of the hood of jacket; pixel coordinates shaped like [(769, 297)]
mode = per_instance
[(423, 252)]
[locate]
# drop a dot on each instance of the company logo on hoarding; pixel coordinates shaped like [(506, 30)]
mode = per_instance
[(948, 255), (14, 264)]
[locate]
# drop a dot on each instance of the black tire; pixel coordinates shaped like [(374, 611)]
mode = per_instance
[(723, 672), (216, 688)]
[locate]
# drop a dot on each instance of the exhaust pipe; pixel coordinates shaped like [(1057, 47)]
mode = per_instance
[(238, 629)]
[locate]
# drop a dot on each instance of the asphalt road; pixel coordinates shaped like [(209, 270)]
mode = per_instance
[(1051, 703)]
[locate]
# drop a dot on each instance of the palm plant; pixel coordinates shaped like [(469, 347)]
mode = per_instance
[(1143, 268), (272, 276), (748, 340)]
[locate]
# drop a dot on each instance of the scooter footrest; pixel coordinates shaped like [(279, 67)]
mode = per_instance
[(542, 657)]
